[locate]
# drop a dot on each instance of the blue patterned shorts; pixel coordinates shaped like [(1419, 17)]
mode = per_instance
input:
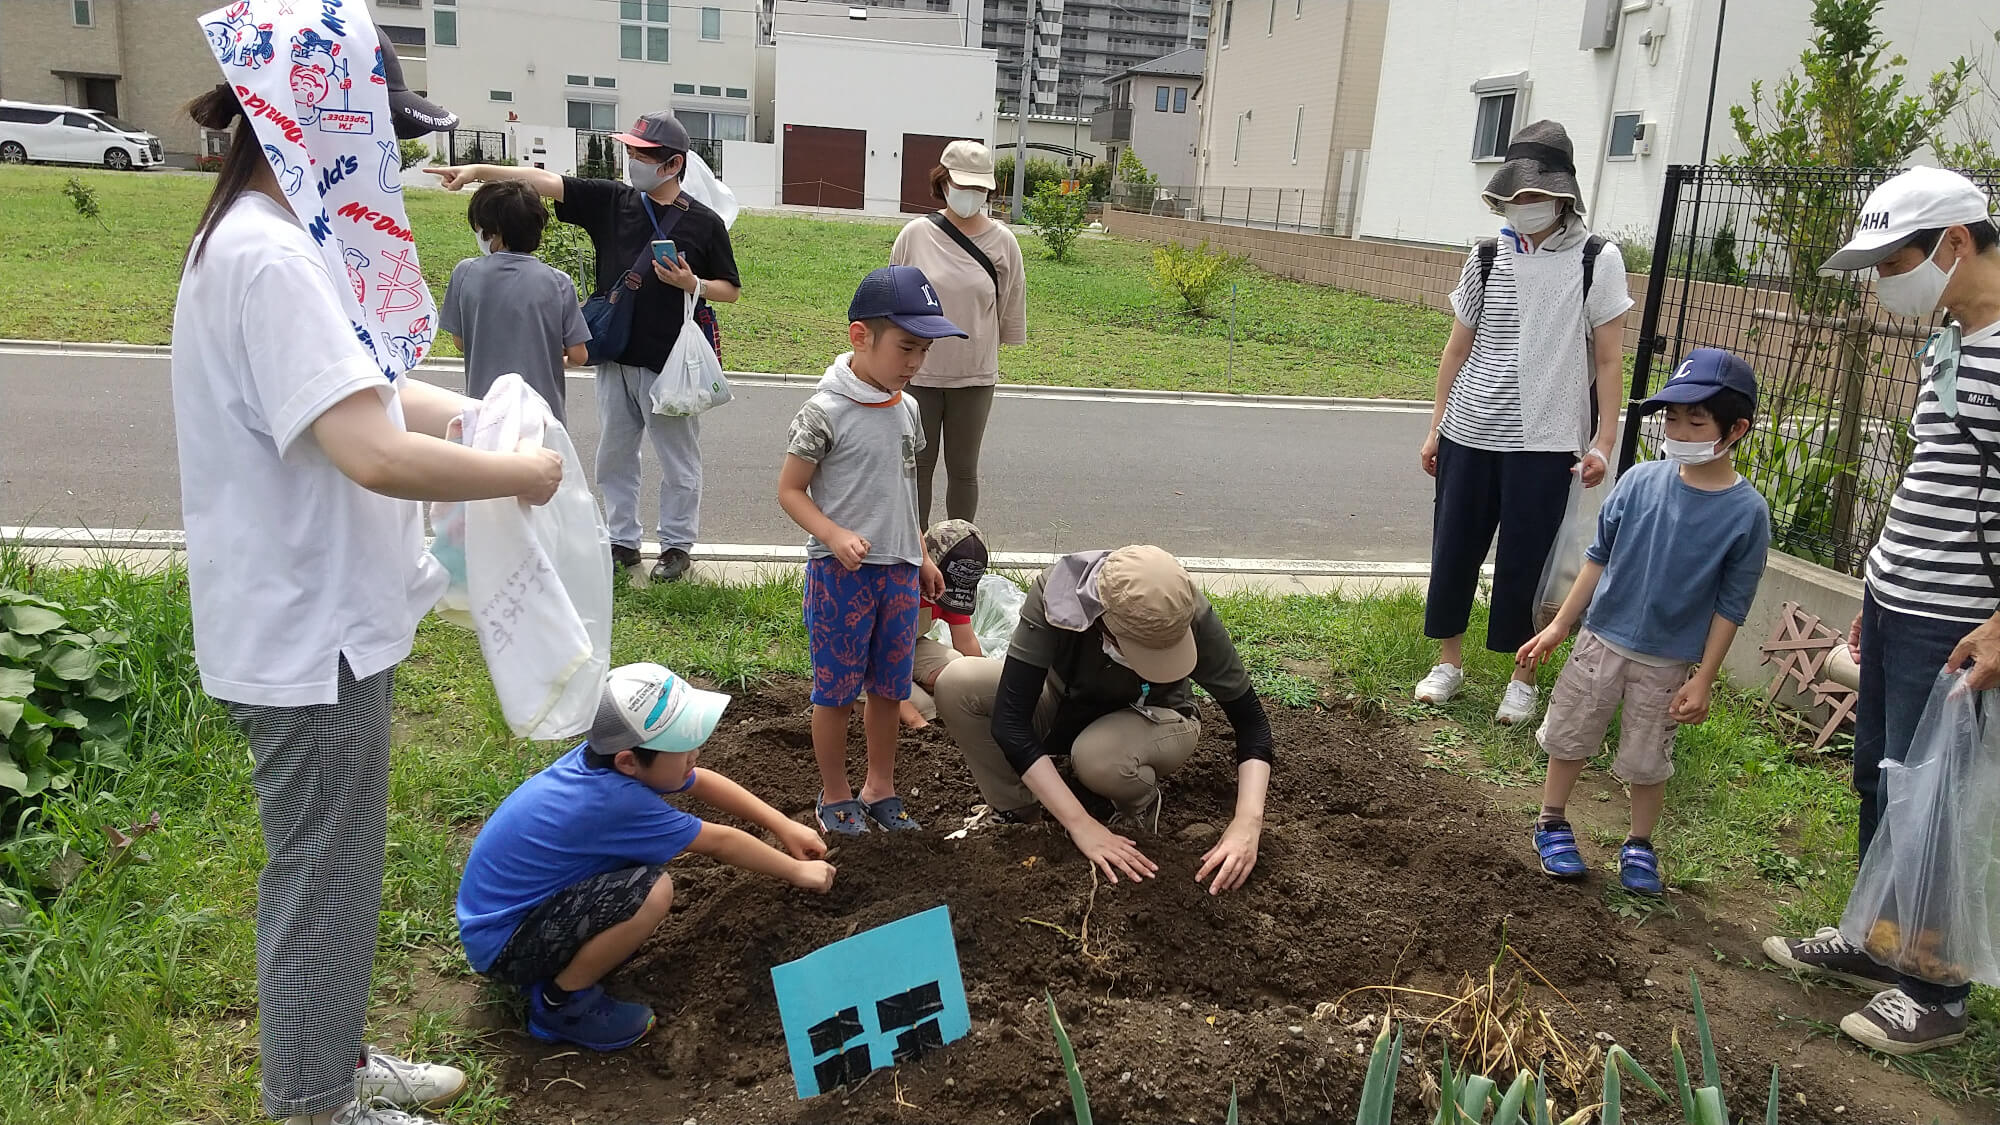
[(862, 625)]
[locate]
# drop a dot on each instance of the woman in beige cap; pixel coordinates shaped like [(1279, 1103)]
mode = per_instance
[(975, 263), (1099, 670)]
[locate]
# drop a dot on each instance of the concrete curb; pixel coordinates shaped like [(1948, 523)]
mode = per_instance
[(1136, 395)]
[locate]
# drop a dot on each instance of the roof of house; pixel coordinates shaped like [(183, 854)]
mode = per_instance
[(1184, 63)]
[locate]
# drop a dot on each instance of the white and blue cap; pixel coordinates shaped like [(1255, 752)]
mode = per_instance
[(647, 707), (904, 297), (1704, 372)]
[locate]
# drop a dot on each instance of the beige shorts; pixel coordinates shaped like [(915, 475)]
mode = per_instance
[(1588, 693), (931, 657)]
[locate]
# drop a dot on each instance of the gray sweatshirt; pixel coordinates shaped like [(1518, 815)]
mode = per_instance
[(865, 443)]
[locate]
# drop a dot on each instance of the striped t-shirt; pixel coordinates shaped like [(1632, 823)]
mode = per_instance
[(1526, 385), (1928, 561)]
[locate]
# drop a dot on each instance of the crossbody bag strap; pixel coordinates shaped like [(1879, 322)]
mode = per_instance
[(1989, 458), (972, 250)]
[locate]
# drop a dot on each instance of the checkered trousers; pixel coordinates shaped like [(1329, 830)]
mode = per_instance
[(322, 780)]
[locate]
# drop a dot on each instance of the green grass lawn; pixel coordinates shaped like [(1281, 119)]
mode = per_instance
[(129, 996), (1093, 321)]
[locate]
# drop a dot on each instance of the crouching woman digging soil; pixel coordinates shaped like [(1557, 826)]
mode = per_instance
[(1098, 671)]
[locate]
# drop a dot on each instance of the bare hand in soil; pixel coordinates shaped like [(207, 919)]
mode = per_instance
[(1541, 646), (1428, 454), (1112, 853), (849, 548), (1690, 704), (802, 842), (931, 580), (1982, 648), (815, 876), (1231, 859)]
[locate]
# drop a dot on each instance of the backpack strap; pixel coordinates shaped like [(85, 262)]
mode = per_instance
[(1592, 247), (1489, 250)]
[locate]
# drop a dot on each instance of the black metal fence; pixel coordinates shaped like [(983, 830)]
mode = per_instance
[(598, 157), (1736, 265), (711, 152), (475, 146), (1305, 210)]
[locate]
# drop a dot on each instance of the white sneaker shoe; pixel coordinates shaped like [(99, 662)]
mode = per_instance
[(365, 1112), (405, 1083), (1443, 683), (1518, 705)]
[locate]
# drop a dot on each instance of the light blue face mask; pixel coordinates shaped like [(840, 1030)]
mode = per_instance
[(1943, 351)]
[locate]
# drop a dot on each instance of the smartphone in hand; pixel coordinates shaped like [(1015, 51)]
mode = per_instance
[(664, 252)]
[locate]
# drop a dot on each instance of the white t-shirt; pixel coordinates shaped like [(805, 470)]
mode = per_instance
[(1526, 385), (291, 565)]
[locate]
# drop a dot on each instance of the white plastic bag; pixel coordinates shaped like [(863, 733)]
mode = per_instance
[(996, 610), (1925, 901), (534, 582), (699, 181), (692, 380), (1565, 561)]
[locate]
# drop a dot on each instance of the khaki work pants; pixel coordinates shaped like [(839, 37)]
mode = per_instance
[(1121, 756)]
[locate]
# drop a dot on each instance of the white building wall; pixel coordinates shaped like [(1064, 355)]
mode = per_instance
[(885, 89), (1423, 184)]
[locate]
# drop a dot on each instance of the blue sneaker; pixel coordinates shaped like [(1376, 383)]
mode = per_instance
[(1639, 869), (590, 1019), (841, 818), (889, 816), (1556, 843)]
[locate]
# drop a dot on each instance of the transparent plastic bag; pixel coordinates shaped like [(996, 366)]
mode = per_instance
[(691, 381), (1924, 902), (996, 609)]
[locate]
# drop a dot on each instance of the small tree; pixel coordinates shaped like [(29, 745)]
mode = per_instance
[(1097, 182), (1132, 171), (413, 153), (1058, 217), (1193, 276)]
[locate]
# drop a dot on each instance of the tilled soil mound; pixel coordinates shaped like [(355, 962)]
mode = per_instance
[(1372, 868)]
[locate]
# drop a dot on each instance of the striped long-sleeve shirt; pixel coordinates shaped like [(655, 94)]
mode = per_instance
[(1928, 561)]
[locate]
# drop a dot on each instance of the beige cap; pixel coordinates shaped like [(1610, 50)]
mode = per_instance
[(970, 163), (1149, 606)]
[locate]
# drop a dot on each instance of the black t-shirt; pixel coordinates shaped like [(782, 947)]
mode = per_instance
[(614, 215)]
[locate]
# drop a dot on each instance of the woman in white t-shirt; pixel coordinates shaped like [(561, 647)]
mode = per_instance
[(301, 468), (1539, 328)]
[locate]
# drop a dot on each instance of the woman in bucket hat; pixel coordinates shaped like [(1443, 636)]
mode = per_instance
[(1539, 329), (975, 263)]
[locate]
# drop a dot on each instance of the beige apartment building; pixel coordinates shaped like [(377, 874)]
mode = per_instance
[(1288, 110), (141, 60)]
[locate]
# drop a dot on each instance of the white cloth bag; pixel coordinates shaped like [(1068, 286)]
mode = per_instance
[(692, 381), (533, 582)]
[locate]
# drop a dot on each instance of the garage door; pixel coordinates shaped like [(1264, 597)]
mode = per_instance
[(921, 153), (825, 167)]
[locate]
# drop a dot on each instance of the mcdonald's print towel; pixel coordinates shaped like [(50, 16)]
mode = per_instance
[(309, 75)]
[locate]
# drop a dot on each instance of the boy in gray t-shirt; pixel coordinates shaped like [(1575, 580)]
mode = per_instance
[(507, 310), (850, 480)]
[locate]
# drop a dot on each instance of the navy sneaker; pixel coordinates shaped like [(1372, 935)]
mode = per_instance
[(841, 818), (1556, 843), (1639, 869), (590, 1018), (889, 816)]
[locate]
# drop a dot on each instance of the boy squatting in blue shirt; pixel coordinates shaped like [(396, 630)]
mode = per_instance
[(1680, 548), (568, 876)]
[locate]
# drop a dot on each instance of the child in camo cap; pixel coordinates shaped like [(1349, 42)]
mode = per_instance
[(958, 550)]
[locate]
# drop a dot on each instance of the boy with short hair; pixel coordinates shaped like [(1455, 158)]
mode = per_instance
[(958, 551), (508, 310), (1680, 548), (850, 480), (568, 876)]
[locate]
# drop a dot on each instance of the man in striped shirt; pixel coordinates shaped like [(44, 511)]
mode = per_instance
[(1931, 597)]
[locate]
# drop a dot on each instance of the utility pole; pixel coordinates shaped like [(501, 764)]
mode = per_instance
[(1021, 110)]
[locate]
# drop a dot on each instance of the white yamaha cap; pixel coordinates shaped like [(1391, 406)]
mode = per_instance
[(1920, 199)]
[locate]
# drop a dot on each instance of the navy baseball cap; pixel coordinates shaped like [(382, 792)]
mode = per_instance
[(904, 297), (1704, 372)]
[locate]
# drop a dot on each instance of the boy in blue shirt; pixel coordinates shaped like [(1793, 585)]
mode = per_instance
[(1680, 548), (568, 877)]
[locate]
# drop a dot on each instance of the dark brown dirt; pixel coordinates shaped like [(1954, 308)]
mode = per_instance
[(1371, 867)]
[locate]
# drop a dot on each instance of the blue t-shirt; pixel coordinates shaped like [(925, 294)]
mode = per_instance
[(1674, 556), (562, 826)]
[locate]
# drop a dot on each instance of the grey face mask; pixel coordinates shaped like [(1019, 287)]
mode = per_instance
[(647, 177)]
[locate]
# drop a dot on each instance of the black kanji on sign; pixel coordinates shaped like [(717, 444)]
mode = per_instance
[(847, 1068), (914, 1042), (832, 1033), (906, 1008)]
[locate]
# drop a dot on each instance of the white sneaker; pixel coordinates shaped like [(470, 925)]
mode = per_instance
[(1518, 705), (405, 1083), (365, 1112), (1443, 683)]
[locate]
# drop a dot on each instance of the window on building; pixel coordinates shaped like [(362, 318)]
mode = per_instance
[(1298, 130), (576, 79), (1624, 136), (399, 3), (656, 44), (642, 32), (1180, 99), (1236, 154), (1163, 96), (1500, 100), (1298, 8), (705, 126), (736, 92), (631, 42), (83, 13), (499, 95), (444, 23), (1228, 12), (599, 116), (711, 23), (409, 41), (711, 91), (605, 83), (1271, 19), (683, 87)]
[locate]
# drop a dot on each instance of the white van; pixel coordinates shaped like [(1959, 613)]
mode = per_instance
[(59, 134)]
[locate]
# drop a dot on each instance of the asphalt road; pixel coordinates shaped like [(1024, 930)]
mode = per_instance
[(89, 441)]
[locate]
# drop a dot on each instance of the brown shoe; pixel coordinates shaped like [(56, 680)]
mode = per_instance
[(673, 565), (1827, 954), (1894, 1024)]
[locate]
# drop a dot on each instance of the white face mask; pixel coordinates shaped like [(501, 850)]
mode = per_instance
[(647, 177), (1111, 650), (1915, 293), (1532, 218), (485, 242), (1692, 452), (965, 202)]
